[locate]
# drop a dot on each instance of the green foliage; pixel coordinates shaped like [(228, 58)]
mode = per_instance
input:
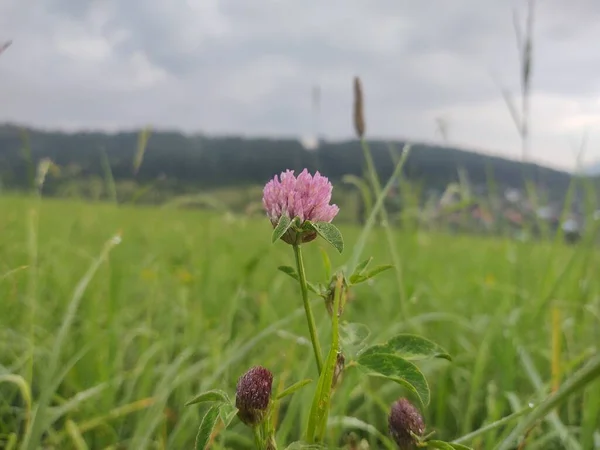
[(397, 369), (184, 305), (206, 427), (446, 445), (360, 274), (289, 270), (317, 419), (284, 224), (330, 233), (409, 347), (215, 395), (353, 337), (293, 388)]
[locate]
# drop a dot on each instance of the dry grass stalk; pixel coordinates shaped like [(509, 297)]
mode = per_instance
[(4, 46), (359, 119)]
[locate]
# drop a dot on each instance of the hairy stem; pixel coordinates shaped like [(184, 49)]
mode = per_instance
[(307, 308), (258, 439)]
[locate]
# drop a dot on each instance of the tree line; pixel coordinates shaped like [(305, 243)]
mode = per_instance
[(202, 161)]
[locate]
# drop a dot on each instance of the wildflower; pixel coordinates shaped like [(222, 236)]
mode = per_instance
[(304, 199), (253, 395), (406, 424)]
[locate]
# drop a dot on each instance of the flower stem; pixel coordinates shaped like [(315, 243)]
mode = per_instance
[(258, 439), (309, 314)]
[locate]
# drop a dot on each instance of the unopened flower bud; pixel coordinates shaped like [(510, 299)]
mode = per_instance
[(405, 422), (253, 394)]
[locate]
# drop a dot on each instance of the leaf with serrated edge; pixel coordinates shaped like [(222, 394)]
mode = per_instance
[(210, 396), (410, 347), (330, 233), (293, 388), (206, 427), (283, 225), (398, 369)]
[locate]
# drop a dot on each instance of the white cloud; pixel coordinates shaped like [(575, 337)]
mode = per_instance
[(249, 67)]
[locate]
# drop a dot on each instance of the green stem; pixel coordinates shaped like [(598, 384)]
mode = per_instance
[(258, 440), (579, 380), (491, 426), (268, 431), (396, 261), (309, 314)]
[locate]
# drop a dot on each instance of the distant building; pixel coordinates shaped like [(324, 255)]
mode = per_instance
[(310, 143), (512, 195)]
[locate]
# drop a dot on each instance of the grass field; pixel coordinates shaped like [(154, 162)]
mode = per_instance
[(189, 300)]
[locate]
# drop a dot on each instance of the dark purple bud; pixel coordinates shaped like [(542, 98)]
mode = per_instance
[(405, 421), (253, 394)]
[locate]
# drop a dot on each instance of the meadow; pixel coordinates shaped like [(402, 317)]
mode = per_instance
[(102, 346)]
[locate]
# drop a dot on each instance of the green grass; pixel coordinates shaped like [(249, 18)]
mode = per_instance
[(189, 300)]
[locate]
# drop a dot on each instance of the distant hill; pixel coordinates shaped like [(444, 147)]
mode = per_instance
[(205, 161)]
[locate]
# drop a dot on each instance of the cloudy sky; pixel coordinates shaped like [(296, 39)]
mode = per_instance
[(249, 67)]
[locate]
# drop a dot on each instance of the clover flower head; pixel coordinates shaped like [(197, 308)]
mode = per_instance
[(253, 394), (306, 197), (404, 421)]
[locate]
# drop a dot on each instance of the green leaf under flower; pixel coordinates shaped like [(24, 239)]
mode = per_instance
[(410, 347), (282, 227), (399, 370), (216, 396), (330, 233), (206, 427), (228, 412)]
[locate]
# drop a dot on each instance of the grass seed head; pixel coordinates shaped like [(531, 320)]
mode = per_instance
[(359, 118)]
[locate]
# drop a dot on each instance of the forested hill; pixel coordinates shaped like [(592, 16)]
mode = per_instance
[(205, 161)]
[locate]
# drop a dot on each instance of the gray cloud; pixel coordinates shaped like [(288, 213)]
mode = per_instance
[(228, 66)]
